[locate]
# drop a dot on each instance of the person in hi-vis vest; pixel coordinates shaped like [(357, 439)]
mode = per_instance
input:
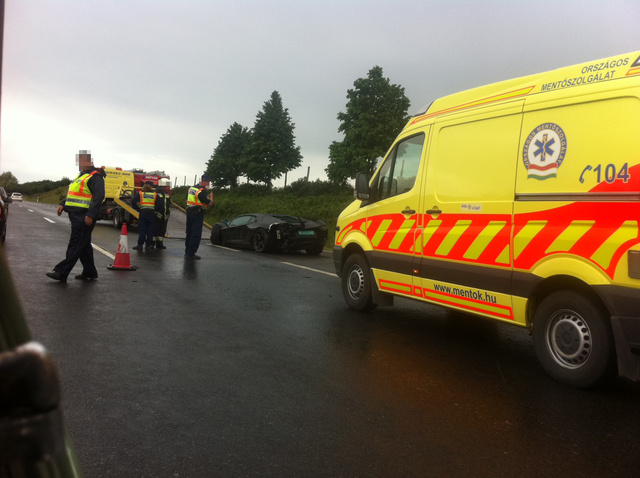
[(145, 203), (82, 204), (198, 199)]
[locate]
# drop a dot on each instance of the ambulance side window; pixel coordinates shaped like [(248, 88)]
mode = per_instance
[(399, 171)]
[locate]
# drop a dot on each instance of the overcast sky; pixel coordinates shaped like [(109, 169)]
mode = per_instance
[(154, 84)]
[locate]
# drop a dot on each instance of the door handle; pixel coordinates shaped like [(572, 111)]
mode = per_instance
[(434, 211), (409, 211)]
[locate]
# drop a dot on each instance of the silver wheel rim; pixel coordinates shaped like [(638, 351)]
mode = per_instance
[(355, 282), (568, 339)]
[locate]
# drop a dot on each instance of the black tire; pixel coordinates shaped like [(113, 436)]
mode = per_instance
[(315, 250), (260, 241), (117, 219), (216, 236), (573, 339), (356, 283)]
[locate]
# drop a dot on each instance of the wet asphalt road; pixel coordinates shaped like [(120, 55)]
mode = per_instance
[(244, 365)]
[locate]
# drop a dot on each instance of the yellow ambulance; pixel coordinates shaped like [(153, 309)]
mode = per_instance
[(520, 202)]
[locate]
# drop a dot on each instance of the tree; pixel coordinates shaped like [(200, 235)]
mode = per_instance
[(227, 160), (8, 181), (272, 150), (35, 187), (376, 113)]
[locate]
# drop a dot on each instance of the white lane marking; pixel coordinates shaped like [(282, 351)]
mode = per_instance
[(309, 269), (285, 263), (106, 253), (30, 210), (225, 248), (97, 248)]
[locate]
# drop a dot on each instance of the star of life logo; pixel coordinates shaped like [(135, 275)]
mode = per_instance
[(544, 151)]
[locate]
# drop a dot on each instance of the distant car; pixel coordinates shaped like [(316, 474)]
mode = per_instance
[(271, 232), (16, 196)]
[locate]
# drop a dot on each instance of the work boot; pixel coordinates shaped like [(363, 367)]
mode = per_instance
[(138, 247), (160, 245), (56, 276)]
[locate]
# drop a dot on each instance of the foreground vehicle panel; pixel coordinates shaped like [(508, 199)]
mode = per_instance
[(33, 439)]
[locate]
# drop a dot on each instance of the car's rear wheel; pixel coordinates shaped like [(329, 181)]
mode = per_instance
[(573, 339), (315, 250), (260, 241), (216, 236), (356, 283)]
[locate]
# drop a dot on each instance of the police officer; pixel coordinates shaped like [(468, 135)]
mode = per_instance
[(82, 204), (144, 202), (197, 202), (163, 205)]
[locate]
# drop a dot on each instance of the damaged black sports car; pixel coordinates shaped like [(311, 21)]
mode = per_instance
[(271, 232)]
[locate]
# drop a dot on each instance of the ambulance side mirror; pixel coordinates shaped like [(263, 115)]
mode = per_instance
[(361, 190)]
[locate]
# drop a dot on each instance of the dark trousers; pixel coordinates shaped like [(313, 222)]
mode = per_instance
[(79, 246), (195, 220), (161, 229), (146, 228)]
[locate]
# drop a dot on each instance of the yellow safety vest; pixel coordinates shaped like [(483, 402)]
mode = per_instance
[(147, 201), (192, 198), (79, 194)]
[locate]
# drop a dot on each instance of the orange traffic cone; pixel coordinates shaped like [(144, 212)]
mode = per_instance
[(122, 262)]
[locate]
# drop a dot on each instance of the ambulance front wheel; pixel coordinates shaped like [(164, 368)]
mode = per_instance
[(573, 339), (356, 283)]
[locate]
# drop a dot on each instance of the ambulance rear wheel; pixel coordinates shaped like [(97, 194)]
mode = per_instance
[(356, 283), (573, 339)]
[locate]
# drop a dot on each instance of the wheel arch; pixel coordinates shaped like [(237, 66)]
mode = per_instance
[(349, 250), (585, 275), (561, 282), (355, 241)]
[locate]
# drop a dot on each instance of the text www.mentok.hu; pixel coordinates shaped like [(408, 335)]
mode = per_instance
[(467, 293)]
